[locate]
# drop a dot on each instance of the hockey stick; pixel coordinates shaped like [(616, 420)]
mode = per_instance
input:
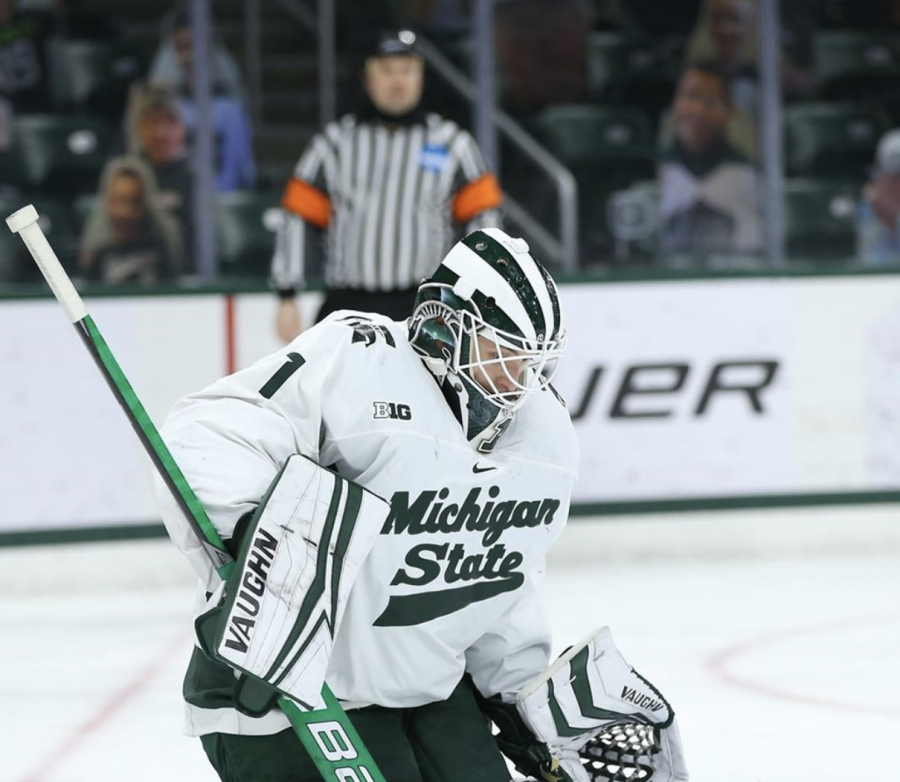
[(327, 734)]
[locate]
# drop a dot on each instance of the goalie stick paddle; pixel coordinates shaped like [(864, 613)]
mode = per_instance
[(327, 734)]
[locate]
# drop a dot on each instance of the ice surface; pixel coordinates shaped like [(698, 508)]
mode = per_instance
[(781, 669)]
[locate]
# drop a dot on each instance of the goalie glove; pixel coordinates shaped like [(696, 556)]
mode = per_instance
[(604, 721), (530, 755), (285, 598)]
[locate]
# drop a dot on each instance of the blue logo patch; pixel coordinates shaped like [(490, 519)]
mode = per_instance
[(434, 158)]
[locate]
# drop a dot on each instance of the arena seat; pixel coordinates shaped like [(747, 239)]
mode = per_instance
[(61, 154), (820, 218), (832, 139), (853, 63), (606, 149), (245, 230)]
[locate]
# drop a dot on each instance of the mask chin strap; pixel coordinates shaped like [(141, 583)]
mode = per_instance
[(452, 398), (437, 367)]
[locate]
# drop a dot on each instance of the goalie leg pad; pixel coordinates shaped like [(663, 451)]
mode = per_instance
[(286, 596), (592, 702)]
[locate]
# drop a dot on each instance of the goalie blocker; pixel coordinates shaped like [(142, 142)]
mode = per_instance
[(284, 602), (599, 718)]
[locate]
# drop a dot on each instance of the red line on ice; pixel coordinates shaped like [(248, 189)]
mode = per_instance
[(719, 665), (114, 704)]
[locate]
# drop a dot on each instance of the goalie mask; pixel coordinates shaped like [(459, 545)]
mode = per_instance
[(488, 325)]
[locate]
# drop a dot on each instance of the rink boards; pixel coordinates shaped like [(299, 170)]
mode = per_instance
[(741, 392)]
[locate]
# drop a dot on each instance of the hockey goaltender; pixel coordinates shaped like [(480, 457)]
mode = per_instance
[(389, 491)]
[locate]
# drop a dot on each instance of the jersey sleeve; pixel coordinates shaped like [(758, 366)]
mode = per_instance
[(306, 206), (517, 648), (477, 196), (231, 439)]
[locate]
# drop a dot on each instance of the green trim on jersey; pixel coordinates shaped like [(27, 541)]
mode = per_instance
[(407, 610), (345, 533)]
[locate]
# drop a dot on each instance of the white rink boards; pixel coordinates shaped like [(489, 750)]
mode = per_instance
[(679, 391)]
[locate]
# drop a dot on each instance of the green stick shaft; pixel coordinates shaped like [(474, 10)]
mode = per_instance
[(154, 446), (327, 734)]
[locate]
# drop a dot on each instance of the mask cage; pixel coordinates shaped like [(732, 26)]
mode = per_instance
[(506, 368)]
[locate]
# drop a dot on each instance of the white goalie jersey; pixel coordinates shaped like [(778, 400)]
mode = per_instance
[(453, 582)]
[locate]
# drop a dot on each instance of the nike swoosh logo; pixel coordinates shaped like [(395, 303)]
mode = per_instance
[(477, 469)]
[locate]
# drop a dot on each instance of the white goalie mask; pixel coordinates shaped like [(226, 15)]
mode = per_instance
[(488, 325)]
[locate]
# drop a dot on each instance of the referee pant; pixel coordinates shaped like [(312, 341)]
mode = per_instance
[(397, 305)]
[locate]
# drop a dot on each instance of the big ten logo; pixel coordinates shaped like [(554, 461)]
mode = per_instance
[(392, 410), (335, 745), (656, 391)]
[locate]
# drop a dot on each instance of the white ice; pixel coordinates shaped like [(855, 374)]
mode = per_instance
[(776, 641)]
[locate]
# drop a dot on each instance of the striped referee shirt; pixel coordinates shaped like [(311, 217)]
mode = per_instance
[(389, 199)]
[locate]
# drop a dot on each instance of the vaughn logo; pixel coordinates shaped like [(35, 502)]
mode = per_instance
[(246, 604), (640, 699), (474, 576)]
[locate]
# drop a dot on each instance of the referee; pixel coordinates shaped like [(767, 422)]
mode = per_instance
[(387, 188)]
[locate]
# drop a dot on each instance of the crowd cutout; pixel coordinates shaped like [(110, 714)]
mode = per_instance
[(693, 198)]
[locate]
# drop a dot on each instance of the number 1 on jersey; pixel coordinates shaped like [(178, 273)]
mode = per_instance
[(294, 362)]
